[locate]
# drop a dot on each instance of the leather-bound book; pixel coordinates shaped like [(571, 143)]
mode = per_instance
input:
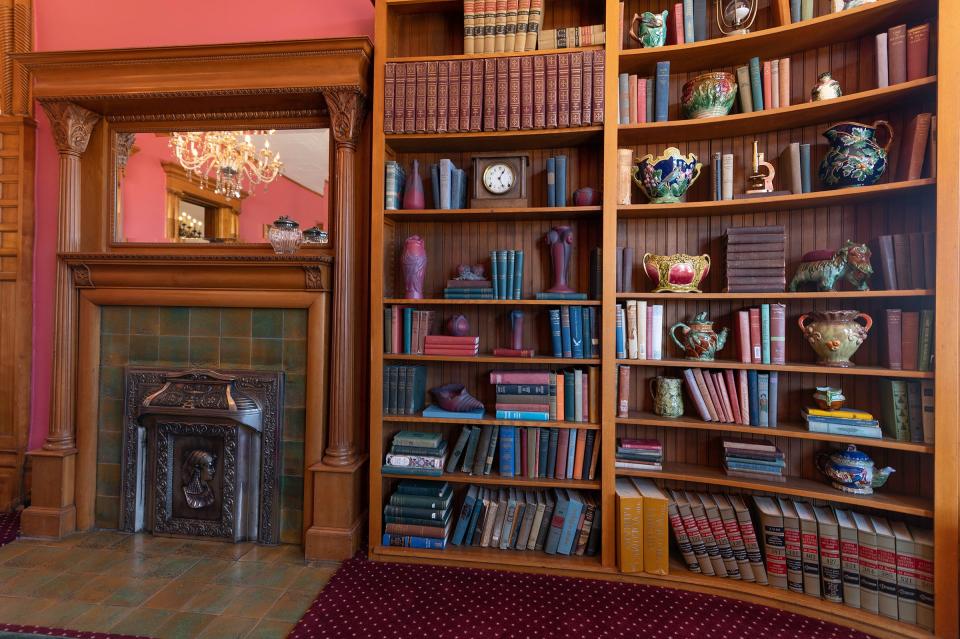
[(576, 88), (901, 260), (453, 96), (918, 51), (399, 97), (897, 54), (894, 338), (755, 344), (535, 19), (598, 87), (563, 90), (539, 92), (468, 19), (552, 92), (443, 95), (503, 93), (778, 334), (513, 94), (490, 94), (916, 261), (420, 100), (910, 340), (526, 92), (586, 98), (510, 26), (914, 148), (389, 97), (410, 100), (523, 16), (784, 82), (466, 79), (883, 63)]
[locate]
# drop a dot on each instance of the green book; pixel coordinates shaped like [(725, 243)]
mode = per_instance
[(502, 292), (925, 350), (569, 396), (765, 333), (481, 456), (416, 438), (895, 411), (494, 274), (458, 448), (471, 451), (806, 9), (756, 84), (408, 330)]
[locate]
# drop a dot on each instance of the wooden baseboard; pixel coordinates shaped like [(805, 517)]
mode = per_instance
[(51, 523), (335, 544)]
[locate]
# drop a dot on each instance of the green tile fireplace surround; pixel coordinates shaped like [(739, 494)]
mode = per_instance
[(234, 338)]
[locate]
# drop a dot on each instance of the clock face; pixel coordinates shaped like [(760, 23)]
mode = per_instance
[(499, 178)]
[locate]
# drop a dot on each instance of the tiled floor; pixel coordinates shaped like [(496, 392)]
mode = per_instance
[(157, 587)]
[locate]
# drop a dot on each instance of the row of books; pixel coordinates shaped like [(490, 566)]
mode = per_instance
[(418, 515), (864, 561), (555, 90), (907, 410), (910, 339), (394, 183), (765, 85), (753, 459), (556, 521), (907, 260), (492, 26), (917, 154), (642, 532), (557, 180), (639, 330), (644, 99), (761, 334), (755, 259), (574, 332), (405, 330), (751, 400), (688, 22), (404, 389), (625, 269), (571, 37), (902, 54), (416, 453), (571, 395), (449, 185), (506, 275), (639, 454), (546, 453)]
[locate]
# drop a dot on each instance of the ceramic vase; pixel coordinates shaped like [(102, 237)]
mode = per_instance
[(699, 340), (413, 197), (854, 158), (414, 264), (708, 95), (835, 335), (667, 396), (458, 326), (826, 88), (586, 196), (560, 242), (516, 330), (665, 179)]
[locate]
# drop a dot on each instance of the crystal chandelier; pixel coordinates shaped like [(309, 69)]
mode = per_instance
[(227, 158)]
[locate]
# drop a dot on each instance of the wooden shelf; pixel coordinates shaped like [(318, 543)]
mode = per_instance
[(473, 554), (786, 295), (453, 216), (816, 369), (794, 486), (492, 359), (792, 430), (493, 140), (794, 116), (501, 54), (777, 41), (444, 302), (840, 197), (424, 6), (489, 420), (497, 480)]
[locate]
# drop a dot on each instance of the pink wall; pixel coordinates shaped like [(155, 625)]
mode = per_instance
[(283, 197), (144, 190), (105, 24)]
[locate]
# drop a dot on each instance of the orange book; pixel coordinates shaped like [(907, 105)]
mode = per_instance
[(560, 415), (578, 453)]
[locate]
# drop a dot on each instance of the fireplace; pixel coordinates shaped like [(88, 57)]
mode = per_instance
[(201, 453)]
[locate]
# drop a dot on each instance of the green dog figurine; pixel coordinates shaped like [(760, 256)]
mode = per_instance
[(852, 262)]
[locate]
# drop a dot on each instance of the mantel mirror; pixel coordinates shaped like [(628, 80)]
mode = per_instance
[(219, 187)]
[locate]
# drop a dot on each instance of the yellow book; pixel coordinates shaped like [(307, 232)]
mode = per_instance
[(468, 26), (845, 413), (656, 527), (629, 527)]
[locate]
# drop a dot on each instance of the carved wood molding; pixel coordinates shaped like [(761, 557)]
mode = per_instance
[(82, 277), (122, 144), (220, 115), (71, 125), (347, 107)]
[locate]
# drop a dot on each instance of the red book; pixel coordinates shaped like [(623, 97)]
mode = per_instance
[(913, 148), (778, 334), (513, 94), (894, 339), (489, 94), (526, 92), (563, 442), (732, 393), (598, 94), (539, 92), (464, 340), (453, 96), (552, 91), (503, 92), (443, 95), (756, 354), (918, 50), (675, 35), (649, 331), (720, 379), (427, 85), (897, 54), (410, 99), (450, 351), (543, 408), (910, 340), (520, 377), (641, 102), (514, 352), (714, 397), (634, 99), (563, 90), (576, 88), (768, 85), (623, 391), (705, 394), (641, 444), (466, 93), (901, 260), (743, 335), (389, 97), (586, 102)]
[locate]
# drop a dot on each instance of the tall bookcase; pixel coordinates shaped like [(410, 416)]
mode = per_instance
[(926, 487)]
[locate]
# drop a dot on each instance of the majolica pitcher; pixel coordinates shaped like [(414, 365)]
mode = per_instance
[(855, 158), (700, 341)]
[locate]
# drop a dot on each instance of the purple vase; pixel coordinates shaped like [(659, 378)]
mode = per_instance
[(414, 264), (458, 326), (413, 197), (560, 242)]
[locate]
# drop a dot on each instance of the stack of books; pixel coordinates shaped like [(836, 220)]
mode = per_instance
[(405, 330), (449, 185), (418, 515), (644, 99), (492, 26), (907, 260), (545, 453), (639, 330), (765, 85), (755, 259), (761, 334), (404, 389), (394, 181), (749, 397), (466, 346), (469, 290), (506, 273), (644, 544), (753, 459), (574, 332), (847, 421), (556, 521), (639, 454), (570, 395), (903, 54), (571, 37), (416, 453), (907, 410)]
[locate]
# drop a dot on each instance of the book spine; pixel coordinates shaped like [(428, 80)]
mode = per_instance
[(883, 77), (624, 95), (756, 346), (552, 91), (526, 88), (523, 16), (897, 54), (746, 94), (775, 84), (756, 84), (433, 74), (765, 333), (598, 65), (586, 96), (726, 181), (510, 27), (489, 93), (918, 48), (778, 329), (533, 23), (561, 181), (663, 90), (503, 93), (576, 89), (766, 77), (513, 94), (753, 384), (784, 82), (466, 80)]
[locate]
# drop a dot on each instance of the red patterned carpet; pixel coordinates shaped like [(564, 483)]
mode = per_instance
[(9, 527), (370, 599)]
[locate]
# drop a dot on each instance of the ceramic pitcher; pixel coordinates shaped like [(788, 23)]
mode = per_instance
[(855, 157), (667, 396)]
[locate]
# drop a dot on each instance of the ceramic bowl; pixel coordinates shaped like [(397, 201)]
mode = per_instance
[(708, 95), (665, 179)]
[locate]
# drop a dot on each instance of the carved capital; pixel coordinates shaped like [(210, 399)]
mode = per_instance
[(122, 144), (81, 276), (72, 126), (315, 278), (347, 108)]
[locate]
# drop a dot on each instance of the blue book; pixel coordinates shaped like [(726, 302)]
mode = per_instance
[(571, 452), (555, 338), (772, 400), (754, 467), (518, 276), (561, 185), (530, 416), (794, 11), (566, 340), (544, 435), (501, 275), (763, 395), (754, 398), (407, 330), (466, 514), (569, 395), (688, 28), (765, 333), (408, 470), (494, 275), (446, 190), (561, 296), (805, 183), (621, 346), (551, 182), (699, 20), (650, 97), (576, 332), (756, 84), (624, 79), (557, 521), (663, 90), (506, 451), (553, 440), (435, 184), (456, 187), (435, 411), (477, 511), (587, 327), (511, 264), (427, 543), (568, 534)]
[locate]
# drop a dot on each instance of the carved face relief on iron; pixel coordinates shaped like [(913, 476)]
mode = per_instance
[(199, 468)]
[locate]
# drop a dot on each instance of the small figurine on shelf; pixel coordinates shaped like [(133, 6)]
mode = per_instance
[(560, 241), (466, 272), (458, 326), (761, 180), (586, 196), (826, 88), (700, 341), (829, 398), (455, 398), (852, 471), (653, 29), (414, 264), (826, 269)]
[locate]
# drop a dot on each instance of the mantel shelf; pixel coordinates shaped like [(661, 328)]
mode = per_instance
[(796, 115), (777, 41), (816, 369), (493, 140), (800, 295)]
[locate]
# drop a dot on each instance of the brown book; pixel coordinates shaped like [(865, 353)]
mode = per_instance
[(410, 112), (389, 97), (910, 340), (747, 262), (563, 90), (743, 256), (755, 343), (916, 261), (755, 230), (598, 87), (420, 102), (431, 92), (526, 91), (576, 88), (466, 97), (913, 148), (932, 149), (884, 248), (930, 260), (894, 338), (755, 249), (918, 51), (586, 97), (453, 97), (539, 92), (897, 54), (739, 271), (623, 391), (443, 95), (901, 260), (513, 96), (503, 92), (754, 288), (552, 93), (490, 94)]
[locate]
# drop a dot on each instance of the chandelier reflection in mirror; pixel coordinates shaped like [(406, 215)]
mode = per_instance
[(229, 159)]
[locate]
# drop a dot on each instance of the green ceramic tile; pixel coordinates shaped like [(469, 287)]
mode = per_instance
[(291, 492), (29, 578), (235, 351), (114, 349), (290, 606), (295, 355), (252, 602), (61, 614), (294, 389), (313, 579), (110, 416), (145, 320), (107, 512), (108, 479), (141, 621), (267, 352), (108, 446), (93, 561), (174, 320), (294, 422), (291, 525), (135, 592), (100, 617), (293, 459), (213, 599), (111, 382), (183, 625), (258, 573), (115, 320), (224, 627), (63, 587), (270, 629), (295, 324), (236, 322), (204, 321), (267, 322), (205, 351), (174, 349), (143, 349)]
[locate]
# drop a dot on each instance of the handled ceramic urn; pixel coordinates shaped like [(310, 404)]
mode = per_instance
[(835, 335)]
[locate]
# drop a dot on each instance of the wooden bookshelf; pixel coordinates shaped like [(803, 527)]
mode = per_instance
[(494, 479), (842, 43)]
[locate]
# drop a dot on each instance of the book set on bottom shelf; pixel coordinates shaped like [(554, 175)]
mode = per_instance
[(758, 315)]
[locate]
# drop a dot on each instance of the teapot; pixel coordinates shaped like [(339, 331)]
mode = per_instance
[(700, 341), (852, 471)]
